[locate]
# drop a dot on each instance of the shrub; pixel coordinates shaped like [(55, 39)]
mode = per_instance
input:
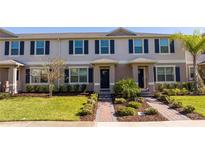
[(157, 94), (76, 88), (83, 88), (29, 88), (127, 88), (63, 89), (188, 109), (175, 105), (126, 111), (91, 101), (150, 111), (4, 95), (201, 91), (159, 87), (43, 89), (135, 105), (119, 100), (87, 109), (166, 99), (69, 88), (184, 91), (94, 97), (140, 99)]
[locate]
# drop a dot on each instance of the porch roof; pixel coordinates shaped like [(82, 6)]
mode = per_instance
[(10, 62), (142, 60), (104, 61), (202, 63)]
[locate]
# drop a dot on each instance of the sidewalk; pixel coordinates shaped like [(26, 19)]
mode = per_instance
[(168, 113)]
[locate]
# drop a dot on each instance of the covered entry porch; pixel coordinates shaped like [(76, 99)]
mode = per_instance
[(9, 76)]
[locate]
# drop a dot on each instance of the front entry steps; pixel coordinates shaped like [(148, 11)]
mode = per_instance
[(105, 95), (146, 93)]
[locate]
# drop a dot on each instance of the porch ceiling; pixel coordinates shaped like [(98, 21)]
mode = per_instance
[(10, 63), (104, 61), (142, 61)]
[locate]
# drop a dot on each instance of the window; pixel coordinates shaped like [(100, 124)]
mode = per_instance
[(165, 74), (40, 47), (138, 46), (78, 46), (191, 73), (104, 46), (15, 47), (78, 75), (38, 75), (164, 45)]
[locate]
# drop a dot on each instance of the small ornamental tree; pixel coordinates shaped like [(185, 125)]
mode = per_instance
[(195, 45), (54, 69)]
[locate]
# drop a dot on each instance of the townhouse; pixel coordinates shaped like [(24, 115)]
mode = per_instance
[(95, 59)]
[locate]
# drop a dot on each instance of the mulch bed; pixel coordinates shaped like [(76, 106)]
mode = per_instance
[(90, 117), (156, 117)]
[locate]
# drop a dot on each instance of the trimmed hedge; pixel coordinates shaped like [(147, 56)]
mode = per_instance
[(125, 111)]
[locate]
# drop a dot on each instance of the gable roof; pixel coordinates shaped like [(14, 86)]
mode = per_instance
[(5, 33), (121, 32)]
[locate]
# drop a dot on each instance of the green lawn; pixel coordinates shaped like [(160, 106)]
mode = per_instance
[(197, 101), (37, 108)]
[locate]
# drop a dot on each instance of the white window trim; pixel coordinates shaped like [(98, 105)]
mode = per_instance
[(10, 45), (108, 48), (142, 47), (31, 83), (80, 83), (74, 48), (190, 78), (169, 52), (44, 51), (165, 74)]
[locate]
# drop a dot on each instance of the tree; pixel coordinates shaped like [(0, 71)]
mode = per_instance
[(54, 69), (195, 45)]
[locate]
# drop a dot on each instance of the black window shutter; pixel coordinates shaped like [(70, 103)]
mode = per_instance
[(6, 48), (96, 46), (154, 70), (90, 75), (27, 75), (66, 76), (112, 46), (32, 47), (146, 46), (130, 42), (22, 48), (47, 51), (177, 69), (172, 48), (86, 48), (156, 43), (71, 47)]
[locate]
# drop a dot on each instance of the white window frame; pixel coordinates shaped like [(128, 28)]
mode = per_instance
[(190, 78), (80, 83), (108, 47), (10, 45), (43, 50), (134, 46), (31, 83), (74, 47), (174, 69), (160, 46)]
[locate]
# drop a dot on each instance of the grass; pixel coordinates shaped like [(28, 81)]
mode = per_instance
[(38, 108), (197, 101)]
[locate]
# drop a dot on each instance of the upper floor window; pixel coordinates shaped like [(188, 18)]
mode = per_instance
[(78, 75), (164, 46), (78, 46), (165, 74), (104, 46), (15, 47), (40, 47), (38, 75), (138, 46)]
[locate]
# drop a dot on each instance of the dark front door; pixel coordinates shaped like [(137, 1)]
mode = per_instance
[(104, 79), (141, 77)]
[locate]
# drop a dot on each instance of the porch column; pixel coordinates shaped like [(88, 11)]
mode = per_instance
[(96, 78), (135, 73), (151, 83), (12, 80), (112, 77)]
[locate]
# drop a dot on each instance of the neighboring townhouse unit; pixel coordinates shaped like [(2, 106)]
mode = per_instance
[(95, 59)]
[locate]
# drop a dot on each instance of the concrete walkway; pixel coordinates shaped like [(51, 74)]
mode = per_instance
[(105, 112), (168, 113), (185, 123)]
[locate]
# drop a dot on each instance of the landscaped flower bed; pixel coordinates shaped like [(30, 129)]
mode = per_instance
[(135, 111)]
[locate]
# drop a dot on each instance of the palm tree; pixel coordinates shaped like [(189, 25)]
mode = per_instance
[(195, 44)]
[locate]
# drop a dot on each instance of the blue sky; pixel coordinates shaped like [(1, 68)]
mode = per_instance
[(164, 30)]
